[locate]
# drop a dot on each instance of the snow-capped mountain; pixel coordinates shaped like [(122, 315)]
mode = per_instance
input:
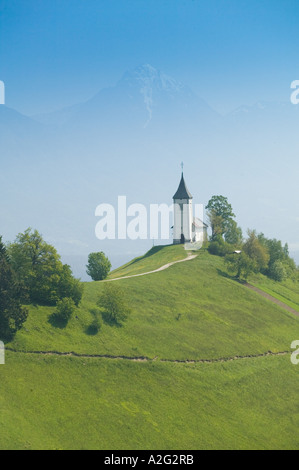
[(130, 139), (143, 96)]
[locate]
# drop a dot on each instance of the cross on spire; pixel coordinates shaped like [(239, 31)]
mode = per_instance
[(182, 166)]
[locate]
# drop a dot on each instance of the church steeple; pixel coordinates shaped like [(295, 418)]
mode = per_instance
[(183, 214), (182, 192)]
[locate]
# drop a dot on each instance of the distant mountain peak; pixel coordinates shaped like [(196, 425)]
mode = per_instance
[(150, 82), (149, 76), (143, 95)]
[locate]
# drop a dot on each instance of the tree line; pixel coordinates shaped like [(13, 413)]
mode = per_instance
[(31, 272), (254, 254)]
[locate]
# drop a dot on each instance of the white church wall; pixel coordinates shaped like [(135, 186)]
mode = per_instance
[(183, 216)]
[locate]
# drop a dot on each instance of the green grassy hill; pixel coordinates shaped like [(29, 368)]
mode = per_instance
[(163, 394), (287, 291), (155, 258)]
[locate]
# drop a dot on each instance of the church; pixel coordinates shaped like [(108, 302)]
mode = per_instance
[(186, 228)]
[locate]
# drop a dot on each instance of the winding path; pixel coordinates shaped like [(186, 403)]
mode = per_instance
[(190, 257), (162, 268), (177, 361), (272, 299)]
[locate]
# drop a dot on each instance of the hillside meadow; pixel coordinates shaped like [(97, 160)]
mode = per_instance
[(193, 311), (75, 403)]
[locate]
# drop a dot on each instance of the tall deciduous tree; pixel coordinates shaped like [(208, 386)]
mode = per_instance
[(233, 234), (220, 213), (281, 265), (12, 313), (256, 251), (39, 266), (98, 266)]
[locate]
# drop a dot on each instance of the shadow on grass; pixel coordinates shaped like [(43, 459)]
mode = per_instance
[(94, 327), (57, 322), (91, 330), (231, 277), (110, 321), (225, 274)]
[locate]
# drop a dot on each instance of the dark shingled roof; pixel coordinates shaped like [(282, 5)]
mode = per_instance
[(182, 192)]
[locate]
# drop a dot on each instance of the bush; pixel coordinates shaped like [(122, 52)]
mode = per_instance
[(96, 325), (277, 272), (65, 309), (240, 265), (114, 303), (68, 286), (219, 247)]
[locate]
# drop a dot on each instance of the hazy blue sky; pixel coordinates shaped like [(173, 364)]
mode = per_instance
[(231, 52), (55, 53)]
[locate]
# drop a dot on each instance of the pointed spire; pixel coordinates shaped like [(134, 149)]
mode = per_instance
[(182, 192)]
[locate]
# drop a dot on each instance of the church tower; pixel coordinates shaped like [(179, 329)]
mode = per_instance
[(183, 214)]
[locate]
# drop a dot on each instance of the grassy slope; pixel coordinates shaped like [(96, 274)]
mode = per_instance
[(120, 404), (189, 311), (155, 258), (287, 291), (68, 403)]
